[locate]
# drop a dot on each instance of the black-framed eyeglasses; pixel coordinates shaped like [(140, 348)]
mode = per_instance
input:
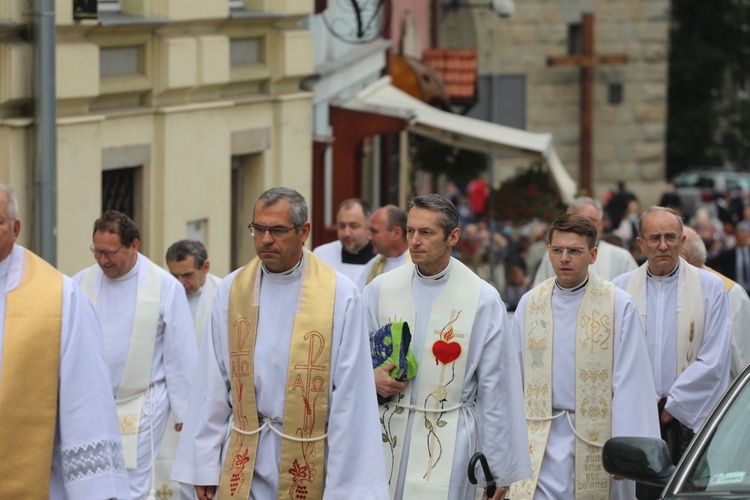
[(257, 231), (107, 253)]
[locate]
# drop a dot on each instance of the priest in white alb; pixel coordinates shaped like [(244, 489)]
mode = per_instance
[(59, 436), (611, 260), (149, 341), (685, 313), (283, 404), (467, 395), (694, 252), (586, 371)]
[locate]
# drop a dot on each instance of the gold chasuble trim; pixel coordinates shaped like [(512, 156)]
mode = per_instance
[(594, 358), (442, 372), (31, 365), (301, 468)]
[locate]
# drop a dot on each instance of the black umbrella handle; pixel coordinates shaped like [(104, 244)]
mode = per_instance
[(479, 456)]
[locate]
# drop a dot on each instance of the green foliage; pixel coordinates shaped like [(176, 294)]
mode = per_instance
[(529, 194), (709, 62), (458, 165)]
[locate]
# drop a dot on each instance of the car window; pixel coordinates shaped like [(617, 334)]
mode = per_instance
[(724, 464), (693, 180)]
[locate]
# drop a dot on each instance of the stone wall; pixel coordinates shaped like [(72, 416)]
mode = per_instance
[(630, 137)]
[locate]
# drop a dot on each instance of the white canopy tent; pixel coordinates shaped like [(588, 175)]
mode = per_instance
[(461, 131)]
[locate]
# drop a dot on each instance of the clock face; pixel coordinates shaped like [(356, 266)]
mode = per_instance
[(357, 21)]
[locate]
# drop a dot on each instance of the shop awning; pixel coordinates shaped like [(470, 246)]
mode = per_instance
[(461, 131)]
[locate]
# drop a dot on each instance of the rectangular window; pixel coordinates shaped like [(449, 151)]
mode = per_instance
[(236, 4), (109, 5), (502, 99), (244, 51), (115, 61), (574, 39)]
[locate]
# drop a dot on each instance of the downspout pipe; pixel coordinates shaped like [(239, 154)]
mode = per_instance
[(45, 132)]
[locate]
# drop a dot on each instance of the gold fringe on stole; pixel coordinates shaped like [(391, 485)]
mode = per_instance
[(301, 469), (29, 382)]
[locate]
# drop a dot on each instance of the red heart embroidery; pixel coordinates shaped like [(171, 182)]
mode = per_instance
[(446, 352)]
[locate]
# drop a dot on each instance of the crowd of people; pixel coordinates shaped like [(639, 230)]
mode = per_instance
[(376, 366)]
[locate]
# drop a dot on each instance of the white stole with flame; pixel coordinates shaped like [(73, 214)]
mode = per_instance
[(441, 379)]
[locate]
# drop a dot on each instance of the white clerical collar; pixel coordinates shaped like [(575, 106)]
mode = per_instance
[(133, 272), (282, 273), (437, 276), (666, 276), (575, 288)]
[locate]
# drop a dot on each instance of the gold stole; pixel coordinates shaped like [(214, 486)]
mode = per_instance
[(379, 266), (728, 284), (31, 366), (442, 370), (593, 364), (301, 468), (690, 310)]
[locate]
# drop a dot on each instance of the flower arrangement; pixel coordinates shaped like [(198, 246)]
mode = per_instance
[(528, 195)]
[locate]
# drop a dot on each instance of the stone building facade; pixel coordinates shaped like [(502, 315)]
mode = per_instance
[(630, 100)]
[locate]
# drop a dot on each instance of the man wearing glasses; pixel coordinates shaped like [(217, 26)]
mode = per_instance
[(685, 314), (283, 403), (149, 341), (586, 371)]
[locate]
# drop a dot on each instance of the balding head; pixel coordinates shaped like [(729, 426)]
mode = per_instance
[(693, 250)]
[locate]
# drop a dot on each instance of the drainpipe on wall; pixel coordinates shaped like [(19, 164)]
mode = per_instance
[(45, 132)]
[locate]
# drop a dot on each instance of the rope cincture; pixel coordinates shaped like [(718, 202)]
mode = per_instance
[(469, 407), (570, 423), (267, 423)]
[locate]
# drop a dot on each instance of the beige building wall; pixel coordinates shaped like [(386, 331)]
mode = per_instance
[(154, 88), (629, 138)]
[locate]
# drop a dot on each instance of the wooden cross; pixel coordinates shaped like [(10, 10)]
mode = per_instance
[(587, 60)]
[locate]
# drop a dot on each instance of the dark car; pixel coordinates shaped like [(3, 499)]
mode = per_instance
[(716, 464)]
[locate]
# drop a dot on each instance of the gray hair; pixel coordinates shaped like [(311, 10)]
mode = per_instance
[(183, 249), (694, 249), (583, 201), (12, 202), (440, 204), (654, 208), (298, 213)]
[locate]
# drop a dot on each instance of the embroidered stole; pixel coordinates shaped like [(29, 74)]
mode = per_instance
[(441, 380), (301, 468), (136, 377), (593, 385), (690, 310), (29, 382)]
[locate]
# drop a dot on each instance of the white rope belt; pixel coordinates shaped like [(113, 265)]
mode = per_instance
[(570, 423), (268, 424), (468, 407)]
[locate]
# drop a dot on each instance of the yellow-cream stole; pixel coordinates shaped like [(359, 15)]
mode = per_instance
[(301, 469), (594, 359), (29, 380), (690, 309)]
